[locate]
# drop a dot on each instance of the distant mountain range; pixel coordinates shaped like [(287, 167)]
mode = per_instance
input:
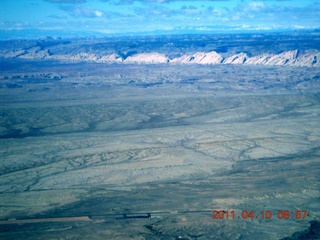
[(289, 58), (252, 50)]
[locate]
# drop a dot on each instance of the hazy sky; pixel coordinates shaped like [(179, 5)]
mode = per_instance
[(137, 16)]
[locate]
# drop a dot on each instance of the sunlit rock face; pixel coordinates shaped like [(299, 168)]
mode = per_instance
[(147, 58), (186, 49), (290, 58), (199, 58)]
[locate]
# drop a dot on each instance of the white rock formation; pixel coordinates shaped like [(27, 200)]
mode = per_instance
[(309, 58), (199, 58), (259, 60), (147, 58), (211, 58), (289, 58), (112, 58), (239, 58), (285, 58)]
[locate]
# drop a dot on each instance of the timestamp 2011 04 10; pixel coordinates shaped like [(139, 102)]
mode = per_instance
[(263, 214)]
